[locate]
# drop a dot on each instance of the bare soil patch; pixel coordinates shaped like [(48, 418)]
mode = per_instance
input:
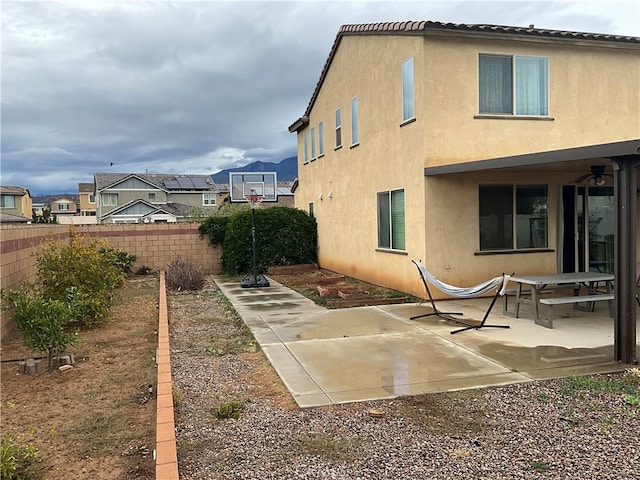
[(96, 421), (333, 290)]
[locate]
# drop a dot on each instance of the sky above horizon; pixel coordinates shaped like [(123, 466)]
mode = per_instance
[(196, 86)]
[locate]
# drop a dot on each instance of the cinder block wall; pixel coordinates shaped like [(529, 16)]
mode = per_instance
[(154, 244)]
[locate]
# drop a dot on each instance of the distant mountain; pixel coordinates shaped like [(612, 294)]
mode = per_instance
[(286, 170)]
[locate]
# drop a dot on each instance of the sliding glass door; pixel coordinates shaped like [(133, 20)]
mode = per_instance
[(588, 229)]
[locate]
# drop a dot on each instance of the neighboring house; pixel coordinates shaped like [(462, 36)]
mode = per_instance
[(64, 207), (38, 208), (471, 148), (87, 196), (15, 200), (153, 198), (285, 195)]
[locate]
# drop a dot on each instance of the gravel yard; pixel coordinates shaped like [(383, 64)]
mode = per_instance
[(582, 428)]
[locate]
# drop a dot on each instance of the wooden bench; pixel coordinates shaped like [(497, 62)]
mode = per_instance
[(575, 299)]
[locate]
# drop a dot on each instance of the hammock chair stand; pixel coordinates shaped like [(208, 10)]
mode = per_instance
[(447, 315)]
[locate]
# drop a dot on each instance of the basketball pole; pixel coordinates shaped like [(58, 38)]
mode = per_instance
[(256, 281)]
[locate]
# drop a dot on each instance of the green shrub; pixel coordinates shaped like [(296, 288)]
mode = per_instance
[(47, 325), (119, 258), (183, 275), (231, 409), (17, 462), (214, 228), (284, 236), (88, 266)]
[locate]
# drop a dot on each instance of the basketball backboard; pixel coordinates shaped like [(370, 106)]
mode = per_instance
[(243, 184)]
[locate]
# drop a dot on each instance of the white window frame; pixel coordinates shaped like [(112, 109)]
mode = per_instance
[(63, 207), (313, 143), (5, 204), (408, 99), (338, 128), (305, 141), (109, 199), (534, 221), (92, 198), (386, 219), (209, 199), (354, 122), (515, 105), (320, 139)]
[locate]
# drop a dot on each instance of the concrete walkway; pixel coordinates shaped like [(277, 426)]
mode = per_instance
[(357, 354)]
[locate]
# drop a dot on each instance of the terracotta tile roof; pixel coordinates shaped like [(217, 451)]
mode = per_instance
[(427, 27)]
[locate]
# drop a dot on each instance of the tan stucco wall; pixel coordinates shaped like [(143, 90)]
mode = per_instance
[(589, 103), (593, 98)]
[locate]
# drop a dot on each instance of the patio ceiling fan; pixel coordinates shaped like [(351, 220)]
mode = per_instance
[(596, 176)]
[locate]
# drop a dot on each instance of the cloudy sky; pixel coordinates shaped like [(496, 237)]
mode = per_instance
[(196, 86)]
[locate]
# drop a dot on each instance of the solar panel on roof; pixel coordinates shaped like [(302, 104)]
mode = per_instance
[(171, 185), (184, 182), (199, 182)]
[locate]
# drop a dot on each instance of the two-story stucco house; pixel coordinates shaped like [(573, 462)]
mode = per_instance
[(15, 201), (64, 207), (479, 149), (153, 198), (87, 196)]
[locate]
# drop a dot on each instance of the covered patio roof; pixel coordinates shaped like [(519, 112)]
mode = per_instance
[(625, 159), (559, 158)]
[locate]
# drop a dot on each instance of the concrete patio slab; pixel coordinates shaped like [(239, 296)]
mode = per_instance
[(337, 356)]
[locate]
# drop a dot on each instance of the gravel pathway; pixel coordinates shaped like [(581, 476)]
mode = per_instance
[(581, 428)]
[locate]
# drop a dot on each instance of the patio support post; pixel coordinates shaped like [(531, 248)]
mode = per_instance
[(625, 258)]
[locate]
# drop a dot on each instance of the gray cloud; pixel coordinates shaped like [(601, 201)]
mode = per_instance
[(196, 86)]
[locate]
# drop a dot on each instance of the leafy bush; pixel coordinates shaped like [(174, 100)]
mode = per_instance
[(183, 275), (214, 228), (284, 236), (46, 324), (119, 258), (17, 462), (88, 266), (231, 409)]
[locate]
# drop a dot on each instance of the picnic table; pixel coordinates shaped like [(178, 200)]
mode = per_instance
[(538, 283)]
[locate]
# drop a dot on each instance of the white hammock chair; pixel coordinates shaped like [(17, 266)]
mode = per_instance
[(499, 284)]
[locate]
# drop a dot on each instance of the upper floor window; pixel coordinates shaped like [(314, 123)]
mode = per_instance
[(407, 90), (513, 85), (109, 199), (391, 220), (338, 128), (501, 204), (305, 140), (152, 196), (7, 201), (313, 143), (354, 121), (208, 199), (92, 198), (320, 139), (63, 206)]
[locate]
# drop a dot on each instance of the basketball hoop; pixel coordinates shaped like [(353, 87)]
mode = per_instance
[(254, 200)]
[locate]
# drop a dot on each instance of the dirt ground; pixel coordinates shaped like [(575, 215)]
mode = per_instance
[(96, 421), (333, 290)]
